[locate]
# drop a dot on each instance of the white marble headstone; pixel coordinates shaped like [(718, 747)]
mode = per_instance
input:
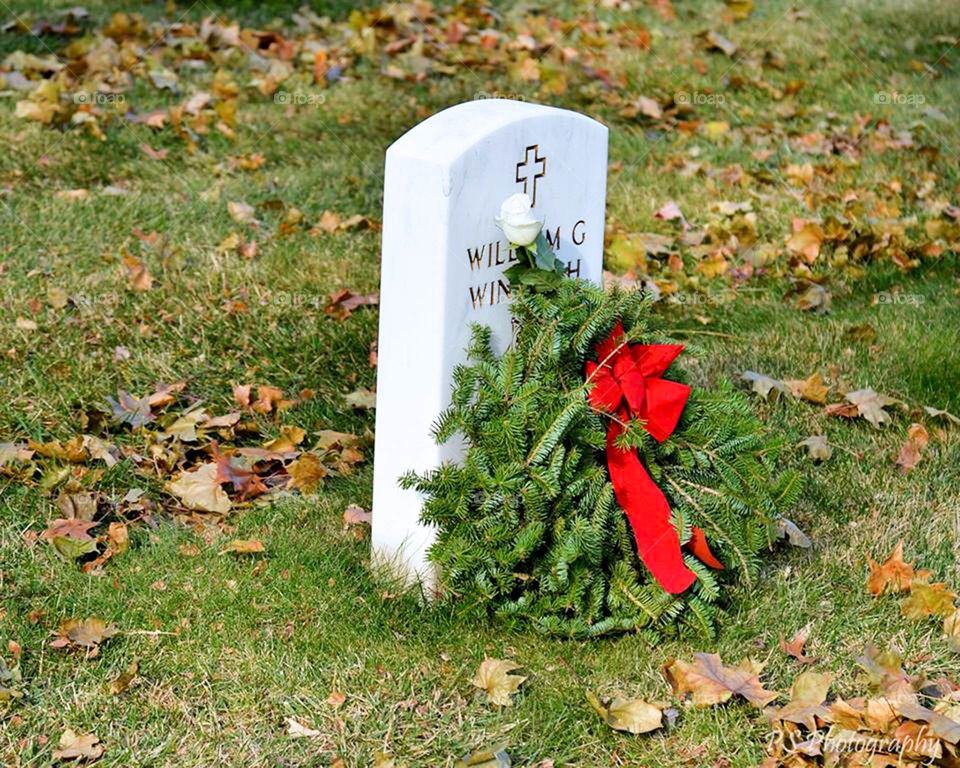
[(442, 270)]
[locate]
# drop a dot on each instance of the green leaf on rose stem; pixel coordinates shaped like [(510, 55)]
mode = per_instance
[(544, 256)]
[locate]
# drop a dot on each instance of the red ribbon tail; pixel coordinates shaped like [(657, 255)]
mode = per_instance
[(698, 545), (648, 511)]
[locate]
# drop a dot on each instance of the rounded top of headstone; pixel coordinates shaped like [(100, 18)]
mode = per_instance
[(446, 135)]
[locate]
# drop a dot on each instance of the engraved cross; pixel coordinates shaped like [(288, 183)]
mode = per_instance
[(525, 164)]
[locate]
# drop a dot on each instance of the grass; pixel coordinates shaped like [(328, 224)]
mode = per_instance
[(230, 646)]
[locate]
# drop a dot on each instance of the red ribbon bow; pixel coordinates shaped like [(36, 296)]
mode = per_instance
[(627, 383)]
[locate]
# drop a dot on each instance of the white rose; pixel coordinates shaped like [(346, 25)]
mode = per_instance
[(517, 221)]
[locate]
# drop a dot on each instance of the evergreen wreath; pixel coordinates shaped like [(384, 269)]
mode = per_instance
[(528, 524)]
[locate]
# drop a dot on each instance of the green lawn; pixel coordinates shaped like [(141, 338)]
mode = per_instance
[(228, 646)]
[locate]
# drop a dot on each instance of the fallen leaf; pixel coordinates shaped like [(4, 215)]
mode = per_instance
[(356, 515), (57, 297), (817, 447), (86, 633), (710, 682), (911, 450), (361, 398), (936, 412), (306, 472), (795, 646), (927, 599), (240, 212), (297, 730), (630, 715), (120, 683), (267, 398), (23, 324), (868, 404), (200, 489), (494, 677), (808, 296), (241, 393), (810, 687), (806, 239), (811, 388), (139, 278), (71, 537), (243, 547), (893, 575), (951, 628), (763, 385), (342, 303), (797, 538), (73, 745), (669, 212)]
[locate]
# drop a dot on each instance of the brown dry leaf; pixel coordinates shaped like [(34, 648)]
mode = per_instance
[(267, 398), (200, 489), (810, 296), (119, 537), (817, 447), (73, 745), (297, 730), (669, 212), (941, 727), (329, 221), (911, 450), (762, 384), (494, 677), (794, 648), (342, 303), (951, 628), (240, 212), (810, 687), (86, 633), (810, 388), (138, 276), (868, 403), (241, 394), (710, 682), (356, 515), (629, 715), (361, 398), (306, 473), (806, 239), (120, 683), (937, 412), (649, 107), (243, 547), (927, 599), (893, 575)]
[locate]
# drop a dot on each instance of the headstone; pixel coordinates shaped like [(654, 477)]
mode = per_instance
[(442, 271)]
